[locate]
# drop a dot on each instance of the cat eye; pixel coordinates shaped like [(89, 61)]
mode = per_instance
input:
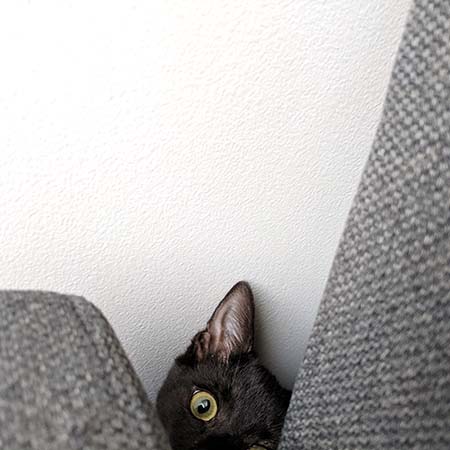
[(257, 447), (203, 406)]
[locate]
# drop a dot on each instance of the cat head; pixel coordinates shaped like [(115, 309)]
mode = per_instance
[(217, 395)]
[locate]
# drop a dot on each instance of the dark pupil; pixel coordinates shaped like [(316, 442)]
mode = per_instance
[(203, 406)]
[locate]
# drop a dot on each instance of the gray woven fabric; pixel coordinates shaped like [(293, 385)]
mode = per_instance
[(376, 373), (65, 382)]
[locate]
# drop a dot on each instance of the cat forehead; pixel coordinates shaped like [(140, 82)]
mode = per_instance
[(242, 379), (216, 373)]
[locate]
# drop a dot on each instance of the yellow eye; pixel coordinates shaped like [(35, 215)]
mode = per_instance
[(203, 406), (257, 447)]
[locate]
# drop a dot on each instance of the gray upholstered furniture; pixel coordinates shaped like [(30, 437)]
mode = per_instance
[(376, 374), (377, 369), (65, 381)]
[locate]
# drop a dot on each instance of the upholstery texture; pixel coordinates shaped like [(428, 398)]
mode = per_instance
[(376, 373), (65, 382)]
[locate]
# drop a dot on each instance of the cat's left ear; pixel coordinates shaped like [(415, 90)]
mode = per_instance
[(230, 329)]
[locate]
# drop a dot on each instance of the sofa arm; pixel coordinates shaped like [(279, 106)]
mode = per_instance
[(65, 381)]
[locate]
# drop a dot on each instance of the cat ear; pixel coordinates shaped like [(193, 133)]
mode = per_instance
[(231, 327)]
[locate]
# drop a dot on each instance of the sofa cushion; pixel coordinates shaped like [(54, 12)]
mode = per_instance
[(376, 373), (65, 381)]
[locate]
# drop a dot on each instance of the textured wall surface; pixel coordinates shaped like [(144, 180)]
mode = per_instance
[(153, 153)]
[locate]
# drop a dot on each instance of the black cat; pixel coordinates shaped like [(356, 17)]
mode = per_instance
[(217, 395)]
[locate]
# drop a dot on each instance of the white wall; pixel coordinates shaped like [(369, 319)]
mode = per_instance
[(153, 153)]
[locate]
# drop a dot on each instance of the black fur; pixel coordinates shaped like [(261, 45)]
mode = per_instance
[(251, 403)]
